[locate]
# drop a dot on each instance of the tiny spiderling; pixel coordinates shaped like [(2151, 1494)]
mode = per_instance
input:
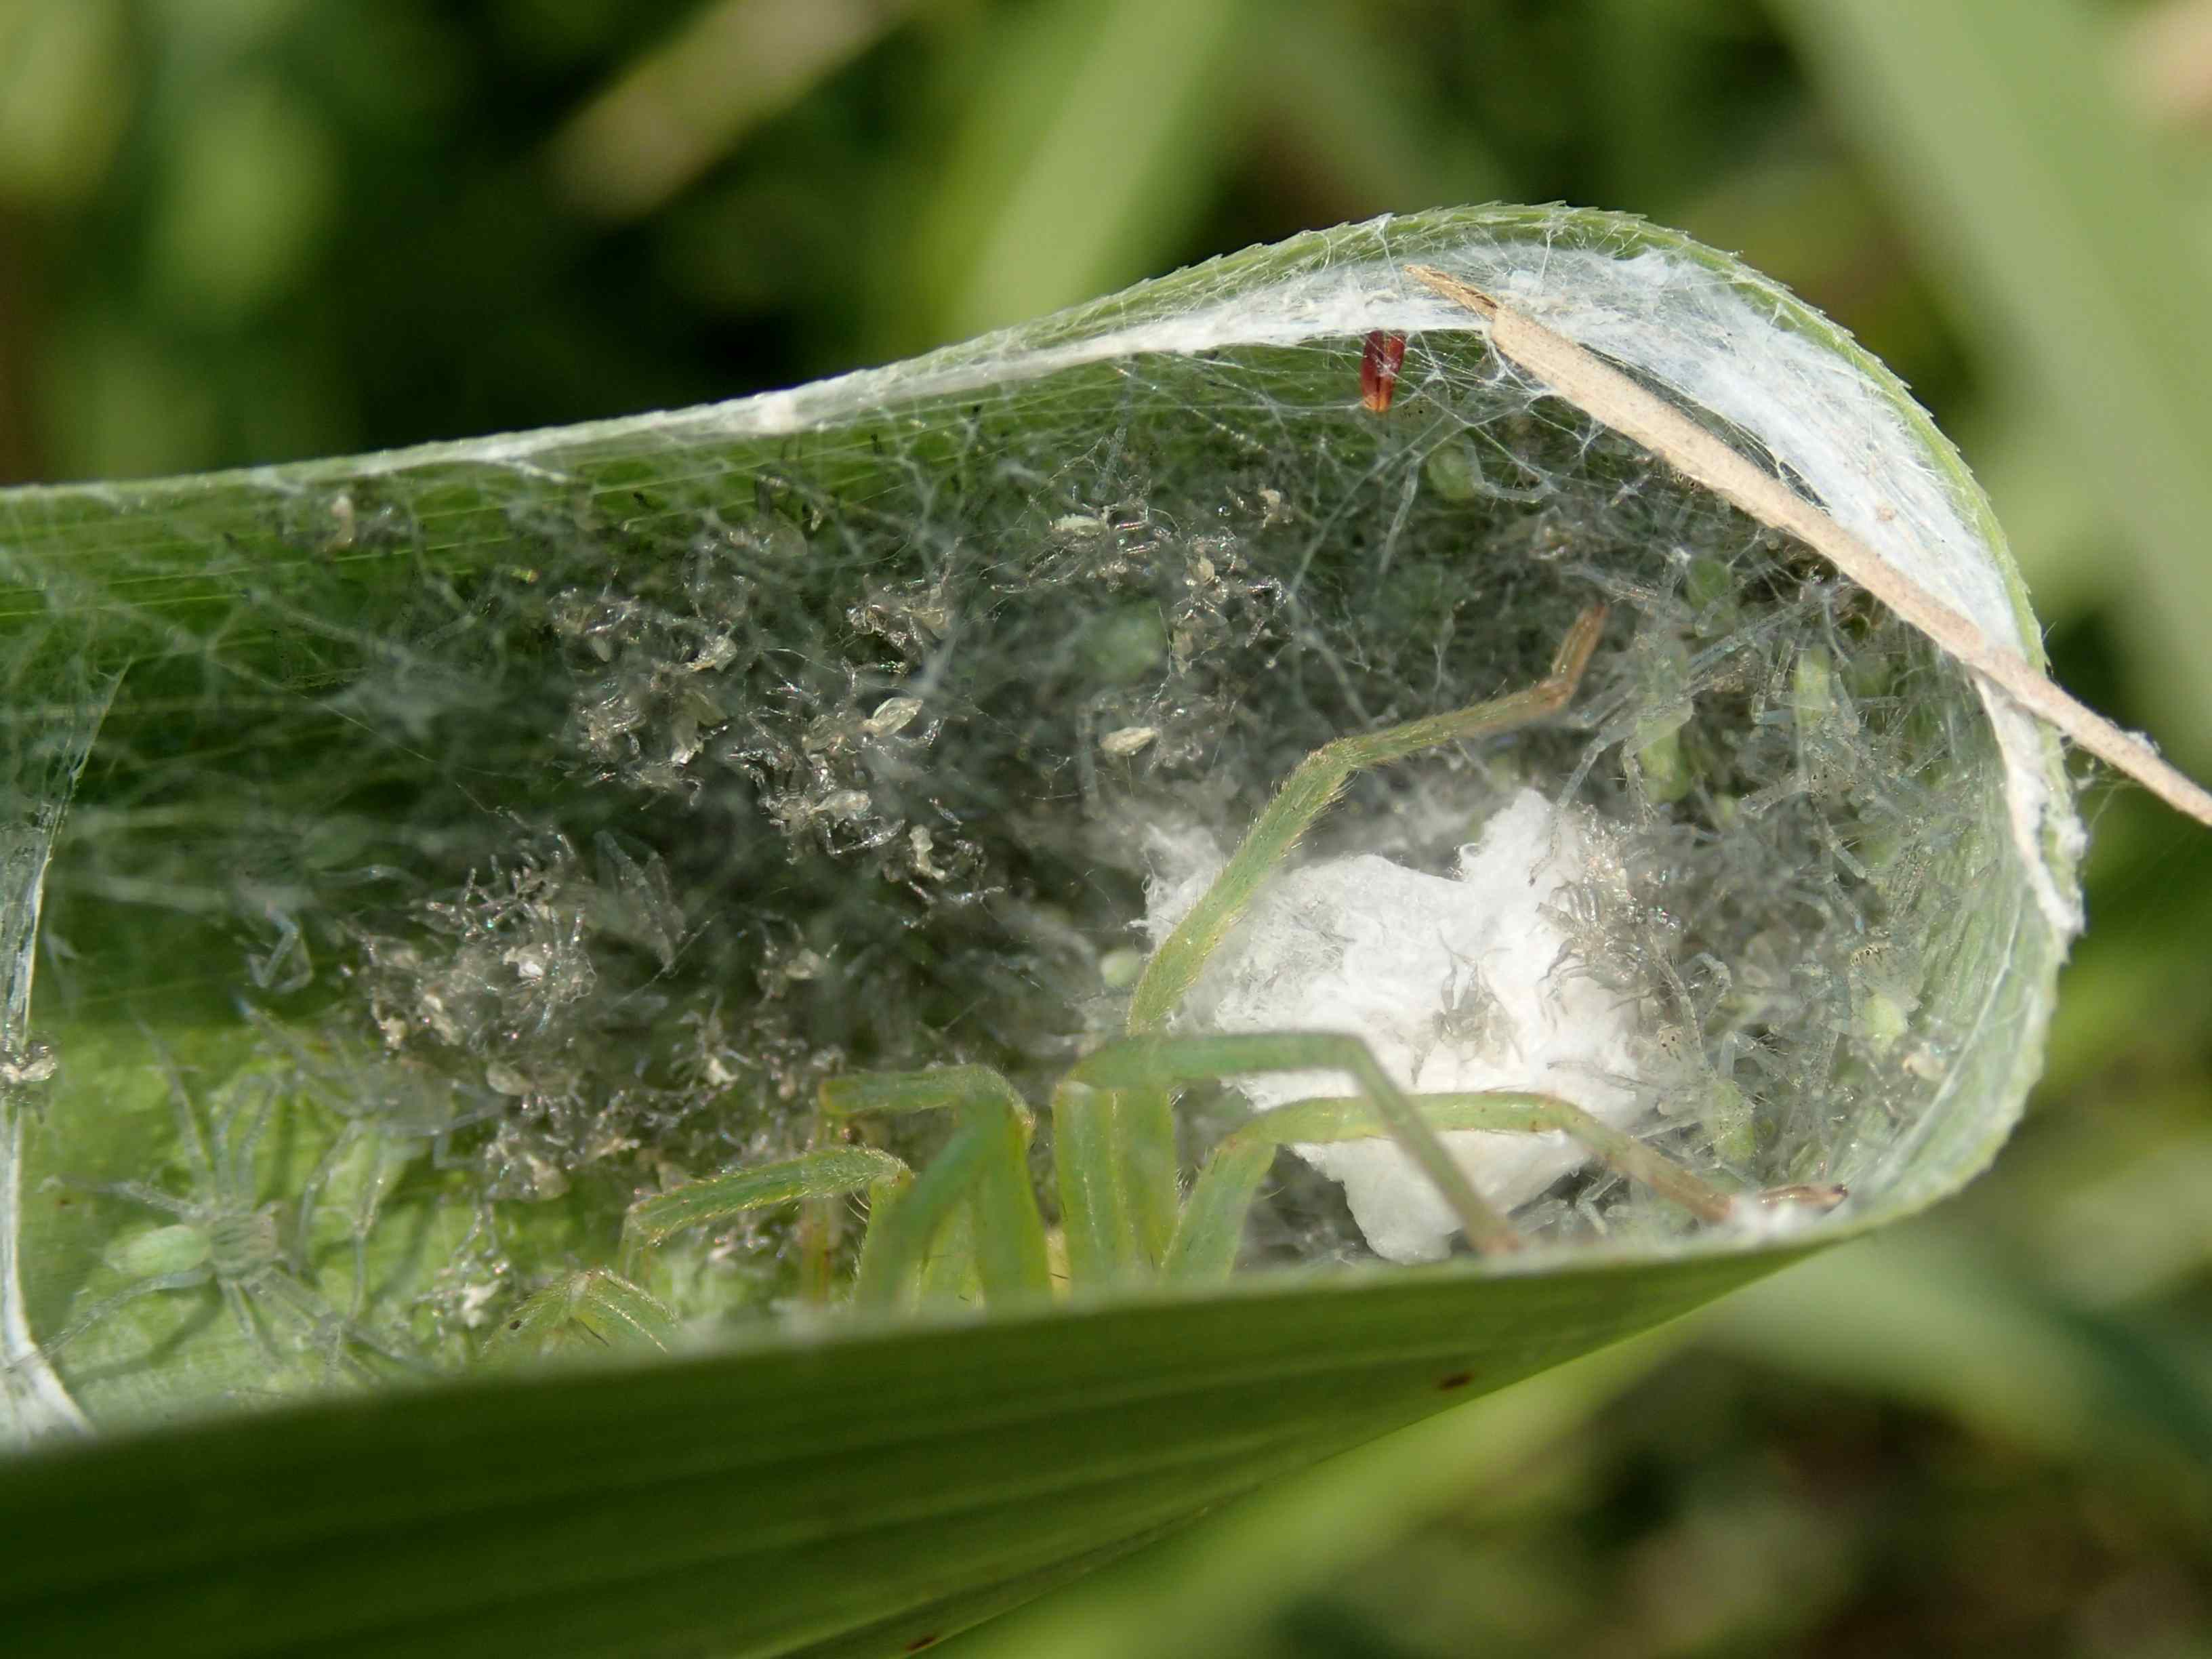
[(224, 1237)]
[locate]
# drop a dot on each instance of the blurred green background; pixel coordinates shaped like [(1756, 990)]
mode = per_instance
[(235, 231)]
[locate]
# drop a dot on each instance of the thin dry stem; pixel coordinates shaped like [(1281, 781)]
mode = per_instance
[(1608, 396)]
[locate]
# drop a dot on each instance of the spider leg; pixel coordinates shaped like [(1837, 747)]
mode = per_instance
[(1310, 790), (330, 1334), (240, 1304), (139, 1193), (950, 1275), (177, 1281), (310, 1203), (1213, 1221), (231, 1152), (1103, 1240), (1144, 1131), (985, 1165), (189, 1138), (826, 1173), (1130, 1142), (386, 1153), (1092, 1132), (594, 1305)]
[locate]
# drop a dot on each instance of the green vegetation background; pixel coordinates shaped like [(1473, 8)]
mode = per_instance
[(246, 230)]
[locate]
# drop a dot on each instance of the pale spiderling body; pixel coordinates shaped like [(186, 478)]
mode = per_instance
[(223, 1238)]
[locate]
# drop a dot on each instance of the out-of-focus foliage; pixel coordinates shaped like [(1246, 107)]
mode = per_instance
[(244, 230)]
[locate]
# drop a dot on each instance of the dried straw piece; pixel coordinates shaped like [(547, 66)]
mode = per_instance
[(1608, 396)]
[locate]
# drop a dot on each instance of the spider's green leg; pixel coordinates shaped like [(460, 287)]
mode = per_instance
[(1010, 1258), (889, 1284), (828, 1173), (200, 1166), (1213, 1228), (137, 1191), (1624, 1154), (240, 1308), (986, 1164), (1307, 793), (1168, 1062), (1121, 1203), (184, 1280), (330, 1335), (363, 1163), (594, 1306), (234, 1152), (896, 1254), (323, 1331), (818, 1234), (1150, 1170), (820, 1225), (949, 1277), (1213, 1221), (1620, 1152), (1096, 1218)]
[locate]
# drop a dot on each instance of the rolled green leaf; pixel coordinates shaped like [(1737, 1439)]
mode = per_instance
[(424, 857)]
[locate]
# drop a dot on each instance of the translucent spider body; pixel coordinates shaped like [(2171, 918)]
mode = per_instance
[(392, 1111), (222, 1236)]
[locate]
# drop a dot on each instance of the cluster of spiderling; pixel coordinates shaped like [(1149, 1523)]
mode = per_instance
[(844, 752), (1776, 828), (1772, 756), (546, 992), (956, 718), (1783, 777)]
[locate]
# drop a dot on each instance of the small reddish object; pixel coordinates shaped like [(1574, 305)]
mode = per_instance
[(1378, 370)]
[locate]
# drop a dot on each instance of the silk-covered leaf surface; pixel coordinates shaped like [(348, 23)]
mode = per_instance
[(421, 856)]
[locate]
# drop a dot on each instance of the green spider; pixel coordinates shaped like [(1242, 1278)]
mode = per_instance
[(1124, 1216), (221, 1235)]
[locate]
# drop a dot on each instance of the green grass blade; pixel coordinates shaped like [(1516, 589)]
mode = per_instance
[(1998, 125), (853, 1496), (396, 676), (1133, 97)]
